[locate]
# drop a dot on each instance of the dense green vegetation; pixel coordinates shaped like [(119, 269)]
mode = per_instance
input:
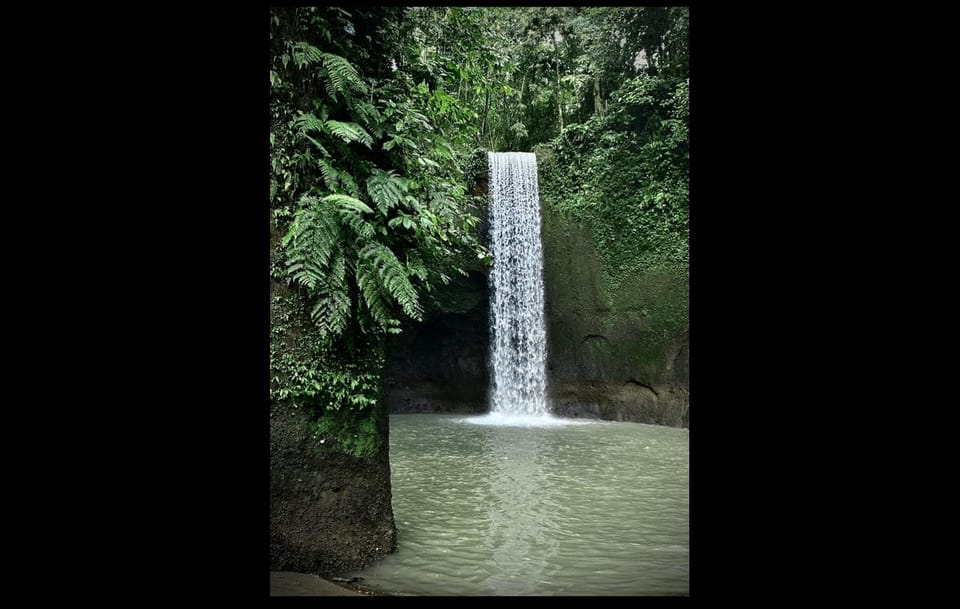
[(377, 118)]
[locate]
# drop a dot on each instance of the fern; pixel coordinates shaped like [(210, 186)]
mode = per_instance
[(331, 252), (305, 54), (348, 203), (351, 212), (350, 185), (393, 274), (386, 190), (349, 132), (360, 227), (368, 114), (339, 180), (331, 177), (318, 261), (378, 306), (415, 265), (313, 237), (331, 312), (318, 145), (341, 76), (393, 326), (308, 122)]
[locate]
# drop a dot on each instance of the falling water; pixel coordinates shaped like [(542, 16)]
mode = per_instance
[(518, 332)]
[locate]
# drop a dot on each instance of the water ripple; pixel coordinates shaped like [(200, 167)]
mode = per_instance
[(577, 509)]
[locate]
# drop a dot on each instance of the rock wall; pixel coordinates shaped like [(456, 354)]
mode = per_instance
[(616, 354), (441, 365), (330, 513)]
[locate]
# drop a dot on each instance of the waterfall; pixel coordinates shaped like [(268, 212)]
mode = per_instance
[(518, 332)]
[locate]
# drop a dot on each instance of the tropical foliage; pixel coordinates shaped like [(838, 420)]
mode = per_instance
[(379, 115)]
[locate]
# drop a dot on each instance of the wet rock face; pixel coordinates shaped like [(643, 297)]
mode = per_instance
[(441, 365), (621, 375), (620, 358), (658, 405), (330, 513), (601, 364)]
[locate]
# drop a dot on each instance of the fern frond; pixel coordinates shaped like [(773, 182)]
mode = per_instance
[(415, 265), (368, 113), (331, 312), (393, 275), (349, 132), (350, 185), (361, 228), (331, 177), (323, 150), (308, 122), (331, 88), (313, 237), (347, 203), (386, 190), (342, 77), (378, 306), (305, 54)]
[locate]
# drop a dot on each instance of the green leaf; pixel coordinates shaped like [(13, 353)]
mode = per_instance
[(305, 54), (318, 145), (393, 276), (347, 202), (341, 76), (349, 132), (386, 189), (331, 177)]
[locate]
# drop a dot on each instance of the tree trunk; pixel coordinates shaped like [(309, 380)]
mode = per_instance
[(486, 108), (556, 57), (559, 97), (597, 103)]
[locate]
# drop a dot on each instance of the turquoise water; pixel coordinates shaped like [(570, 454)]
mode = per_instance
[(590, 508)]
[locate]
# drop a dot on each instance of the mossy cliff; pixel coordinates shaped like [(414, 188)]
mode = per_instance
[(615, 350)]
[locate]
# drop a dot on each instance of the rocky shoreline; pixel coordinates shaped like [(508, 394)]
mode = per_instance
[(291, 583)]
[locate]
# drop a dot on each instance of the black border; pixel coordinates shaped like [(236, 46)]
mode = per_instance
[(203, 96)]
